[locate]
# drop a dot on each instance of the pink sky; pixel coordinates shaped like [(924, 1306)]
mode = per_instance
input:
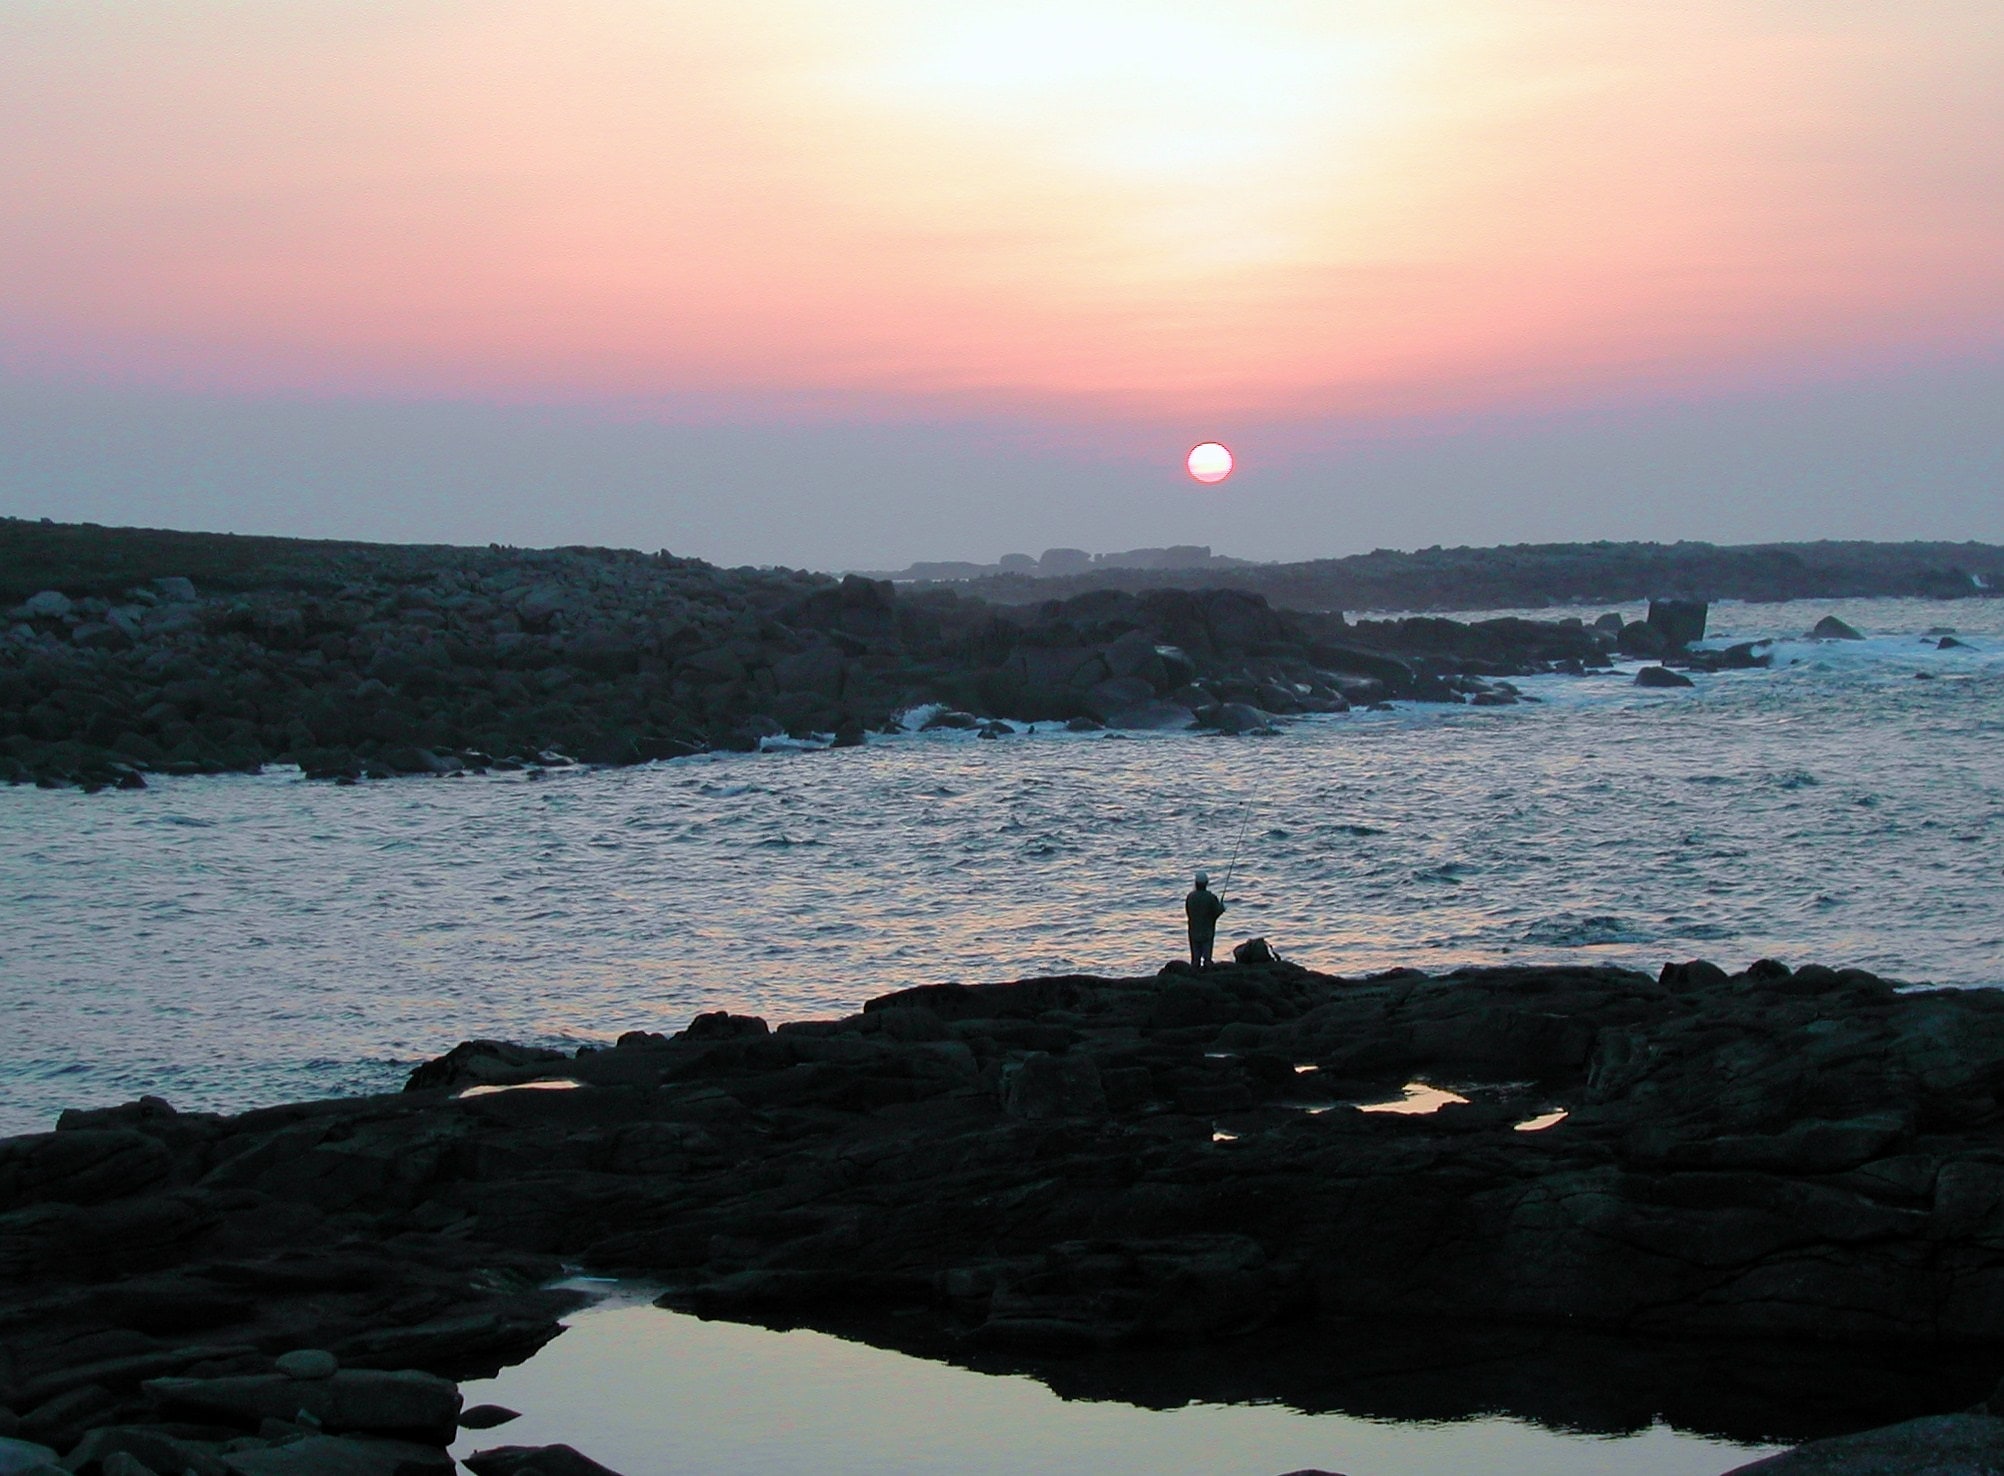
[(1088, 214), (1088, 208)]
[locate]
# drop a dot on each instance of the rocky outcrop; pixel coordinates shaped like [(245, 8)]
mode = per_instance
[(1050, 1167), (352, 660), (1087, 1160)]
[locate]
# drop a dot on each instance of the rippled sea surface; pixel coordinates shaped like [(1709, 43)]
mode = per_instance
[(232, 941)]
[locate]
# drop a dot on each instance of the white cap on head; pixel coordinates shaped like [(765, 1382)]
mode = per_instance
[(1203, 879)]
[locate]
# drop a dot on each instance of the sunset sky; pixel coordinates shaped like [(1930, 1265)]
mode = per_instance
[(847, 284)]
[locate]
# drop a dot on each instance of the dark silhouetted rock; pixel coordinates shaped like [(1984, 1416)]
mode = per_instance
[(1830, 628), (1681, 622), (323, 1455), (153, 1449), (1639, 638), (49, 604), (723, 1025), (26, 1458), (1151, 716), (1045, 1086), (308, 1363), (534, 1460), (1662, 676), (1937, 1445), (476, 1062), (376, 1401), (487, 1416), (1696, 973), (1795, 1159)]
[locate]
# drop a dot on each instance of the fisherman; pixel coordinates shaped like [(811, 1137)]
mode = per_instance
[(1203, 908)]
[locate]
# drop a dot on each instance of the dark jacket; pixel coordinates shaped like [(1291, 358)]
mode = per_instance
[(1203, 908)]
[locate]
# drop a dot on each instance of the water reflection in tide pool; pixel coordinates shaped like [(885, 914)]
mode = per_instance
[(650, 1393)]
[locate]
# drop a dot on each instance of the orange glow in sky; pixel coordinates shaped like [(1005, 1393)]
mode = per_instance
[(1103, 209)]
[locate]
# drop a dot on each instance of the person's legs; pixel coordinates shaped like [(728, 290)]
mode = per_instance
[(1200, 951), (1196, 952)]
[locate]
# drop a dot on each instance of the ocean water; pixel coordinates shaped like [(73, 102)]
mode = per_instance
[(233, 941)]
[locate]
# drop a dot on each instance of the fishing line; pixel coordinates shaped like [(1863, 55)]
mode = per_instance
[(1245, 818)]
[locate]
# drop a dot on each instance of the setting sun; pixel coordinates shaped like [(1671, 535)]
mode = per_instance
[(1209, 462)]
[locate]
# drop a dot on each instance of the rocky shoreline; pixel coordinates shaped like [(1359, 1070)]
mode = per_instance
[(356, 660), (1072, 1171)]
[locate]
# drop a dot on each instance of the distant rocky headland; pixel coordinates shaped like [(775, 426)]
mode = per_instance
[(1061, 563), (1518, 576), (1081, 1176), (130, 651)]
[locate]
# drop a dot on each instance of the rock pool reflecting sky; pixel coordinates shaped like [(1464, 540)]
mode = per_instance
[(647, 1391)]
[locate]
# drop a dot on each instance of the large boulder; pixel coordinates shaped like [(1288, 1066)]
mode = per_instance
[(543, 607), (1639, 638), (25, 1458), (473, 1062), (1680, 621), (1830, 628), (372, 1401), (1117, 695), (155, 1450), (1662, 676), (1135, 655), (49, 604), (1236, 717), (1154, 715)]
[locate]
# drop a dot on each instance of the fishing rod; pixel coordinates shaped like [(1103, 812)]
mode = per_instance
[(1245, 818)]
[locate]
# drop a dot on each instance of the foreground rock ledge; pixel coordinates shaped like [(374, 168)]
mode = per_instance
[(1060, 1164)]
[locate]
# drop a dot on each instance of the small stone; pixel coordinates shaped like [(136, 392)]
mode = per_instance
[(308, 1363)]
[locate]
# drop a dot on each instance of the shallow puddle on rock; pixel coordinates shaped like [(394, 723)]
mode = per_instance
[(1418, 1097), (651, 1393), (564, 1084), (1542, 1121)]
